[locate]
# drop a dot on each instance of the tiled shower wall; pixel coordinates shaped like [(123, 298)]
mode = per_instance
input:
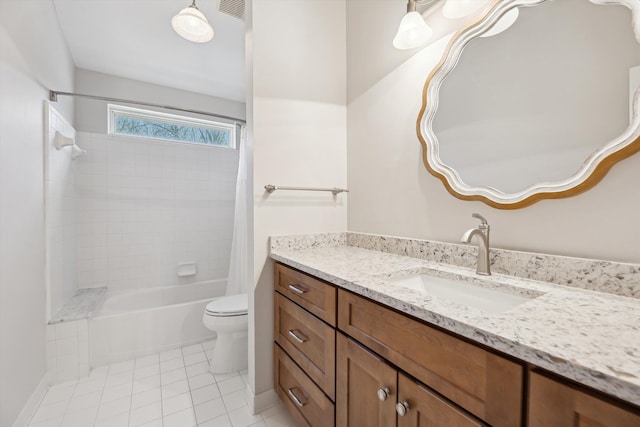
[(145, 206), (60, 183)]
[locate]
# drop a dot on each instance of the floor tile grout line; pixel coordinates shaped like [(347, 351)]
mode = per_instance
[(161, 392), (135, 363), (40, 405), (215, 382), (67, 405), (188, 385), (104, 386), (193, 407)]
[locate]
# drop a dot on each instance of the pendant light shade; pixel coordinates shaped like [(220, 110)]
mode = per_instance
[(454, 9), (192, 25), (413, 31)]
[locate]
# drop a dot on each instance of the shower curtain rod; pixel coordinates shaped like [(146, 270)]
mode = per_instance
[(53, 97)]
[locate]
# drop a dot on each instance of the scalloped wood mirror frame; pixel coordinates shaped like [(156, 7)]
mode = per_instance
[(594, 168)]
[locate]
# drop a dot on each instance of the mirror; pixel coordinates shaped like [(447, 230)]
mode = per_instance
[(540, 110)]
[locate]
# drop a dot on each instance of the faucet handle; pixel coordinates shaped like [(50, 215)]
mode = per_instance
[(483, 220)]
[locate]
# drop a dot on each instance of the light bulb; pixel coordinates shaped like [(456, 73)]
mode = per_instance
[(412, 32), (454, 9)]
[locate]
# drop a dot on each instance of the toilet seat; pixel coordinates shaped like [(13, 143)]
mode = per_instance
[(232, 305)]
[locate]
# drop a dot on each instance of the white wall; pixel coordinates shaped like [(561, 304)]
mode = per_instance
[(299, 139), (392, 192), (91, 115), (145, 206), (33, 58), (60, 206)]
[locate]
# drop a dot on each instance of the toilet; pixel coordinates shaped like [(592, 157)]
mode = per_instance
[(228, 317)]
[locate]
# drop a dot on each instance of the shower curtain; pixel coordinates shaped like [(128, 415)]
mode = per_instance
[(238, 279)]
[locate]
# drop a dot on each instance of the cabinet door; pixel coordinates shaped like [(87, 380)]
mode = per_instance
[(552, 403), (360, 374), (424, 408)]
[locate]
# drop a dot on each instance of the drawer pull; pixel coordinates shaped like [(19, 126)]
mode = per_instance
[(383, 393), (297, 289), (295, 398), (297, 337), (402, 408)]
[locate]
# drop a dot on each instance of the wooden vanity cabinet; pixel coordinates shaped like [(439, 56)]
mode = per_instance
[(304, 347), (307, 404), (552, 403), (483, 383), (315, 296), (310, 342), (426, 409), (361, 376), (378, 358), (369, 391)]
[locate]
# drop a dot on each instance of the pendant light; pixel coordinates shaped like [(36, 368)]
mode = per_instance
[(192, 25), (413, 30)]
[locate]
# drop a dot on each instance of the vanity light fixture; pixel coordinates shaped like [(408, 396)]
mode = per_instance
[(192, 25), (454, 9), (413, 30)]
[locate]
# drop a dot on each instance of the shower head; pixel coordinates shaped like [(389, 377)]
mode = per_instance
[(61, 141)]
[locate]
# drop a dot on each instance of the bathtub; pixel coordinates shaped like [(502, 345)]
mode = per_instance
[(133, 324)]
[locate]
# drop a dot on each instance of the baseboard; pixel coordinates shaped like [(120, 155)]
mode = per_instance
[(259, 402), (29, 409)]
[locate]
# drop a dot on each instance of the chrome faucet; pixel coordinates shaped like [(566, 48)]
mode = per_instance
[(483, 266)]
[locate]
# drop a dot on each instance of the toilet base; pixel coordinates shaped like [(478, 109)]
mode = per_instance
[(231, 353)]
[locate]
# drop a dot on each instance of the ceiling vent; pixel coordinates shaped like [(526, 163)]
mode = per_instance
[(233, 8)]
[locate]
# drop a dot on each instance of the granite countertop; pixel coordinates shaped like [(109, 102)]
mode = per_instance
[(588, 336)]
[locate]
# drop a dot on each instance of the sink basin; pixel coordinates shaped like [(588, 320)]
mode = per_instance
[(488, 300)]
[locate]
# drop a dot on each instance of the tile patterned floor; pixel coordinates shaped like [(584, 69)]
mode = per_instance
[(170, 389)]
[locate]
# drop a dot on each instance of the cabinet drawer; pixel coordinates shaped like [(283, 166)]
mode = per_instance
[(310, 342), (552, 403), (487, 385), (314, 295), (307, 404)]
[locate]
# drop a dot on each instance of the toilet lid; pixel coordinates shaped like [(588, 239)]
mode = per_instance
[(232, 305)]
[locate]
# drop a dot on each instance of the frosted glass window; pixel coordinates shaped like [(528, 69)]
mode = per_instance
[(135, 122)]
